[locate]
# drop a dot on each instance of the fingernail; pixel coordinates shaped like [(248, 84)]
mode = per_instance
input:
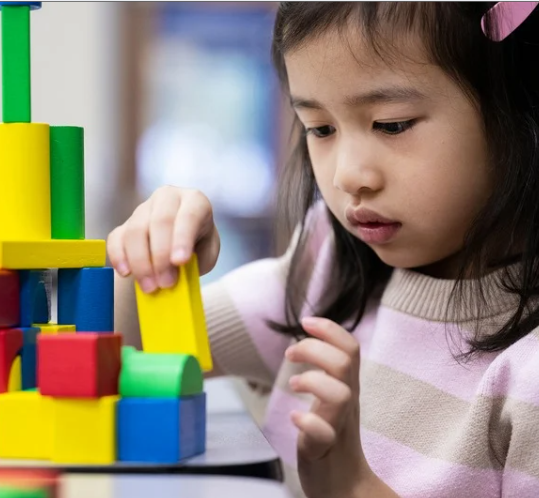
[(148, 285), (123, 269), (166, 279), (293, 381), (180, 255)]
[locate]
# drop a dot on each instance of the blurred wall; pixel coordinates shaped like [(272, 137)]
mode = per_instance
[(76, 51)]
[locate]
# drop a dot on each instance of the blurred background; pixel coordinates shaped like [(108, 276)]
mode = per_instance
[(169, 93)]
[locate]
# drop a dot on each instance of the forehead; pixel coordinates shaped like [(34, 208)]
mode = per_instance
[(345, 63)]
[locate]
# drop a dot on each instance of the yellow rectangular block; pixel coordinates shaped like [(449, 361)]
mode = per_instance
[(26, 425), (25, 205), (54, 328), (172, 320), (84, 430), (29, 255)]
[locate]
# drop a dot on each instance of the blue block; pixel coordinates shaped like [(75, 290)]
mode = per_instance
[(32, 5), (34, 302), (161, 430), (29, 357), (86, 299)]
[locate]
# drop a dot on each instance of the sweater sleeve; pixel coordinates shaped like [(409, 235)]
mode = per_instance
[(238, 306), (514, 427)]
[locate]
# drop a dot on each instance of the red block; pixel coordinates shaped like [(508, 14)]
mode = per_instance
[(10, 345), (9, 298), (26, 479), (79, 365)]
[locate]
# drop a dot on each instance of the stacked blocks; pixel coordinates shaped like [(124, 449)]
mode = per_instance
[(69, 391), (161, 416)]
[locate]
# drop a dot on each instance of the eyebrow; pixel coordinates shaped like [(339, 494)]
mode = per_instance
[(378, 96)]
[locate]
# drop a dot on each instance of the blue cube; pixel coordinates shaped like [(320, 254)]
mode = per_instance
[(34, 301), (161, 430), (86, 299)]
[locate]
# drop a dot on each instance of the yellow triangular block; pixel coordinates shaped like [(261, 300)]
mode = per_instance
[(172, 320)]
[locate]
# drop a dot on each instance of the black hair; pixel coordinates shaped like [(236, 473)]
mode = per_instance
[(502, 78)]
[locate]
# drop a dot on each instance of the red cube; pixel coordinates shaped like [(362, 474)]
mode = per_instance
[(85, 365)]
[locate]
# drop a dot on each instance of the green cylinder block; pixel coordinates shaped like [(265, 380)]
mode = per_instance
[(67, 182), (159, 375), (16, 83)]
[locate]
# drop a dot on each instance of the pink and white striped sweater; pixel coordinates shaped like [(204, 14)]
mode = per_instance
[(430, 426)]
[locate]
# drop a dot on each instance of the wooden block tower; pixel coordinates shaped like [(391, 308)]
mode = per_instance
[(69, 392)]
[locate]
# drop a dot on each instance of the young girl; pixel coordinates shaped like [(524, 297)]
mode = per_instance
[(415, 259)]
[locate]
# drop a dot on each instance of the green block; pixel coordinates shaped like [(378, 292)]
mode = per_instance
[(126, 351), (67, 182), (16, 93), (160, 375), (14, 492)]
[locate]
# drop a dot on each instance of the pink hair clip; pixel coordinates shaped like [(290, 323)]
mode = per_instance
[(507, 17)]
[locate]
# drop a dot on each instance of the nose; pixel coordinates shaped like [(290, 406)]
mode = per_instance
[(357, 167)]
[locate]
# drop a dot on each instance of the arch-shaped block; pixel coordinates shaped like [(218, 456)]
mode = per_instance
[(11, 341), (159, 375)]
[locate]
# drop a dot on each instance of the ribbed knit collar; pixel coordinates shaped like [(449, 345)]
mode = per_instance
[(426, 297)]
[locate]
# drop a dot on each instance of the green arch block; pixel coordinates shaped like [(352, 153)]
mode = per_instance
[(126, 351), (159, 375)]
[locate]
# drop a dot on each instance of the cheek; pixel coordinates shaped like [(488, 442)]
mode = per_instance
[(451, 195), (324, 173)]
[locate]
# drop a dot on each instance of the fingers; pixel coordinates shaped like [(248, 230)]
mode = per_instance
[(116, 252), (193, 223), (163, 210), (331, 333), (333, 395), (326, 357), (137, 247), (161, 234), (316, 435)]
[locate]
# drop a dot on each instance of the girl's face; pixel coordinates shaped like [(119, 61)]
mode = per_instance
[(399, 140)]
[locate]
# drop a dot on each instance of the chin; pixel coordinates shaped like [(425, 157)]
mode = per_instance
[(404, 258), (441, 266)]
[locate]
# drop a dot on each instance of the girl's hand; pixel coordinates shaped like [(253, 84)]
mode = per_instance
[(331, 462), (161, 234)]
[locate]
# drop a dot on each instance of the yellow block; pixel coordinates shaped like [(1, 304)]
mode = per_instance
[(28, 255), (15, 376), (172, 320), (53, 328), (25, 205), (84, 430), (25, 425)]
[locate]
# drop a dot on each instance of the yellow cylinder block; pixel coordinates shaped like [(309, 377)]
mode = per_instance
[(25, 205)]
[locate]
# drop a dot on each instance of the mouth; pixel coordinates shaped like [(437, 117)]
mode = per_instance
[(371, 227)]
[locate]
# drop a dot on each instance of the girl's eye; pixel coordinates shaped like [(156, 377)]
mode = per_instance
[(394, 128), (321, 131)]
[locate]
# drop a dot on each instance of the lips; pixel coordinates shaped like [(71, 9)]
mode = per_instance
[(371, 227)]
